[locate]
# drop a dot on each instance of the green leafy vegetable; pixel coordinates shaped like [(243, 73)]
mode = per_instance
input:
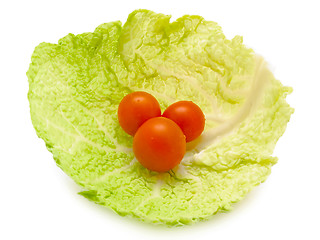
[(77, 84)]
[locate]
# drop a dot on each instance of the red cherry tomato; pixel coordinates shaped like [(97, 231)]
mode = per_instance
[(136, 108), (188, 116), (159, 144)]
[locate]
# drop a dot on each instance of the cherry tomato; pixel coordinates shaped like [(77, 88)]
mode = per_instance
[(188, 116), (159, 144), (136, 108)]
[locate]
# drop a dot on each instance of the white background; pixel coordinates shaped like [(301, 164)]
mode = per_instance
[(38, 201)]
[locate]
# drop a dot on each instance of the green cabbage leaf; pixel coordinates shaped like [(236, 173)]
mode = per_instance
[(75, 87)]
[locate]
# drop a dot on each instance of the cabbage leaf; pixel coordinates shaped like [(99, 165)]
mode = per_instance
[(75, 87)]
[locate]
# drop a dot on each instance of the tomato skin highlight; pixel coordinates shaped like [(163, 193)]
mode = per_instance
[(136, 108), (159, 144), (188, 116)]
